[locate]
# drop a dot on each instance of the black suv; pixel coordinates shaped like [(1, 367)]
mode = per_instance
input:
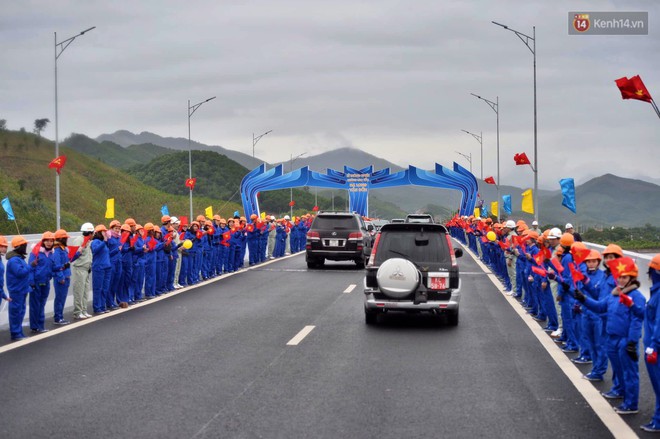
[(338, 236), (413, 268)]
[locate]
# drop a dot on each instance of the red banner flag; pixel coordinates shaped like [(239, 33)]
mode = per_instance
[(292, 203), (503, 245), (490, 180), (580, 254), (36, 248), (575, 273), (152, 244), (72, 251), (57, 163), (620, 265), (557, 265), (547, 254), (633, 88), (190, 183), (521, 159), (540, 271), (124, 237), (538, 258), (315, 208)]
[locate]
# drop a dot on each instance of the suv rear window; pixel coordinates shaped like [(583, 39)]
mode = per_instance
[(397, 244), (335, 222)]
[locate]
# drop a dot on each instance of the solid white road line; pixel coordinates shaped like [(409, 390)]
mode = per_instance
[(598, 403), (300, 336), (350, 288)]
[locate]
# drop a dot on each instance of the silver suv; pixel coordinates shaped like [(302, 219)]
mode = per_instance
[(412, 268)]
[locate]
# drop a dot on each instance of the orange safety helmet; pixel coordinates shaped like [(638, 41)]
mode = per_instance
[(61, 234), (17, 241), (217, 217), (194, 223), (201, 218), (48, 236), (254, 216), (530, 234), (125, 228), (148, 227), (131, 222), (613, 249), (3, 241), (654, 264), (566, 240), (577, 245), (100, 228), (138, 227), (165, 219), (114, 223), (594, 255)]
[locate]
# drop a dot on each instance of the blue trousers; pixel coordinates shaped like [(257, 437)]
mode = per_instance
[(183, 272), (567, 322), (548, 304), (625, 369), (16, 313), (150, 276), (38, 298), (115, 285), (654, 375), (171, 268), (100, 288), (61, 291), (126, 277), (593, 331)]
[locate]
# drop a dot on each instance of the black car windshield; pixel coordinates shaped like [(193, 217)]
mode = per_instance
[(432, 248), (335, 222)]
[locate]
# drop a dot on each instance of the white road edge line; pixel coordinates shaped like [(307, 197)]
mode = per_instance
[(350, 288), (80, 323), (598, 403), (304, 332)]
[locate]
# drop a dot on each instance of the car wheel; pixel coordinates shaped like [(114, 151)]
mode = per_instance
[(370, 317), (452, 318)]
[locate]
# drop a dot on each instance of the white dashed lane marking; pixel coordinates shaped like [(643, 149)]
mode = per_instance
[(300, 336), (350, 288)]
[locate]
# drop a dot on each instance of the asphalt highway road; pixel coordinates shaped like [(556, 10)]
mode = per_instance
[(220, 361)]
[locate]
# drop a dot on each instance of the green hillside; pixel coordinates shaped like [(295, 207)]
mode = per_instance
[(85, 182), (113, 154)]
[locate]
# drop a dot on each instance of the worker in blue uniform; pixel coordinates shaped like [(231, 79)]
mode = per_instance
[(565, 293), (3, 251), (593, 328), (161, 263), (41, 264), (61, 276), (101, 270), (114, 246), (252, 237), (127, 234), (19, 278), (624, 329)]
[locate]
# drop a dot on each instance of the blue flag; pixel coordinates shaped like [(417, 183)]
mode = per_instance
[(7, 206), (568, 191), (506, 203), (236, 214), (164, 210)]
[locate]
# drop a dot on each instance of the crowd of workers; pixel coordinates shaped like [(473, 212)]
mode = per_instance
[(589, 301), (129, 263)]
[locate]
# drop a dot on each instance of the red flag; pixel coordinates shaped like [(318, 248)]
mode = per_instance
[(200, 234), (633, 88), (57, 163), (315, 208), (620, 265), (124, 237), (134, 240), (484, 239), (190, 183), (152, 244), (580, 254), (521, 159), (575, 273), (72, 251), (490, 180), (36, 248), (168, 237), (250, 228), (547, 254), (538, 258), (292, 203), (540, 271), (503, 245), (557, 265)]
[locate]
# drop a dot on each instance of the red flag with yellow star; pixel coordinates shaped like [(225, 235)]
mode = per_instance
[(633, 88), (57, 163)]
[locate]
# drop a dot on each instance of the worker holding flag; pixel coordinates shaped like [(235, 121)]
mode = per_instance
[(81, 269), (42, 267), (61, 276)]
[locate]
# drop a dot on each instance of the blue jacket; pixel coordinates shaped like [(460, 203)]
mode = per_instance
[(60, 259), (43, 272), (622, 321), (100, 255), (594, 289), (2, 280), (19, 275), (652, 320)]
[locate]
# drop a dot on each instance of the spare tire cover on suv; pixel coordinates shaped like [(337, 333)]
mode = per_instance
[(397, 278)]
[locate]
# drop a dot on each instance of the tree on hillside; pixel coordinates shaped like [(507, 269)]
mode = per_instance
[(3, 124), (40, 125)]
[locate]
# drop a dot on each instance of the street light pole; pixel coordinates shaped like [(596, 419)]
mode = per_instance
[(256, 139), (467, 157), (293, 159), (479, 138), (526, 40), (495, 106), (191, 111), (59, 49)]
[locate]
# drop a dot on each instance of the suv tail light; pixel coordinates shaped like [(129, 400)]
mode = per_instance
[(451, 251), (313, 235), (354, 236), (372, 258)]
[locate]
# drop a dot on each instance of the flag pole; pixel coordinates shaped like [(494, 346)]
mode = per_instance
[(655, 107), (17, 231)]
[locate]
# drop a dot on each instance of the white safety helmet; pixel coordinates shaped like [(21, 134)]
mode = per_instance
[(535, 223), (568, 226), (555, 233), (287, 217), (272, 217), (510, 224), (87, 227), (174, 220)]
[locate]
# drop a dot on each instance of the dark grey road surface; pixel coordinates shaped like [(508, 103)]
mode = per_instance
[(213, 363)]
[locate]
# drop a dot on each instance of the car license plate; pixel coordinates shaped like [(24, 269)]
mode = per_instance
[(437, 283), (334, 243)]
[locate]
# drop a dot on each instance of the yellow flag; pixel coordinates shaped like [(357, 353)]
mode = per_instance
[(527, 202), (493, 208), (110, 208), (263, 215), (209, 212), (477, 211)]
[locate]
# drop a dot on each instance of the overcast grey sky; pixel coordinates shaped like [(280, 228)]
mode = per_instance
[(392, 78)]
